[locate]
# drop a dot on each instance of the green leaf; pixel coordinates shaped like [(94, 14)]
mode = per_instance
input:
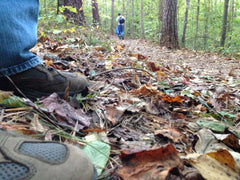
[(228, 115), (215, 126), (98, 152), (4, 95), (60, 18), (56, 31), (14, 101), (187, 93)]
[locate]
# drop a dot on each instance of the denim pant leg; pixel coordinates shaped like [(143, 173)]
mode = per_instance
[(18, 34), (121, 29)]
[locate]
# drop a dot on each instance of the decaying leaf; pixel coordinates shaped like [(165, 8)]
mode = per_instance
[(212, 169), (149, 164), (171, 133), (66, 114)]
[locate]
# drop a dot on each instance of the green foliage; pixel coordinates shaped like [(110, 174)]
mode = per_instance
[(210, 19), (215, 126), (13, 101), (70, 8)]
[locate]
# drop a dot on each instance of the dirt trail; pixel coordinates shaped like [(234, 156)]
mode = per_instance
[(203, 64)]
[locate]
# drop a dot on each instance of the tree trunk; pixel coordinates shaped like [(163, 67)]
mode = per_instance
[(212, 9), (224, 24), (77, 17), (169, 36), (185, 22), (196, 30), (112, 19), (160, 15), (142, 21), (206, 24), (132, 28), (95, 13), (231, 21)]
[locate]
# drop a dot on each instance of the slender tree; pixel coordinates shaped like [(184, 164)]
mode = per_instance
[(132, 28), (160, 15), (185, 22), (95, 13), (112, 19), (196, 30), (205, 40), (231, 21), (142, 21), (224, 23), (169, 36)]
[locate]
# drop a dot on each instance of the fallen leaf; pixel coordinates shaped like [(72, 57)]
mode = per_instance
[(224, 157), (210, 168), (171, 133), (66, 114), (173, 99), (149, 164)]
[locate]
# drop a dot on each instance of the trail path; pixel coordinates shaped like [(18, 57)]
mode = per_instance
[(204, 64)]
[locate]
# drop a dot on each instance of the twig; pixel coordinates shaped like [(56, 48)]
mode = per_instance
[(119, 69), (16, 86)]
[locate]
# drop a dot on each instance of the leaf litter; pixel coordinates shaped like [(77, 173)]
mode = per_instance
[(163, 114)]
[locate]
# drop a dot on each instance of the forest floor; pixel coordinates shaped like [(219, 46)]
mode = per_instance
[(151, 112)]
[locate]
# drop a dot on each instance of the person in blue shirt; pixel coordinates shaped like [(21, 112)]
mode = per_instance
[(120, 25)]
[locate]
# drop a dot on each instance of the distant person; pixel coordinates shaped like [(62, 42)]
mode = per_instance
[(120, 26)]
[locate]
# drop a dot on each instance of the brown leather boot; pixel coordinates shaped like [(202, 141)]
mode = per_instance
[(42, 81)]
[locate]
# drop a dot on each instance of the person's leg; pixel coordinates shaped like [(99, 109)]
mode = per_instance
[(123, 31), (120, 31), (18, 34)]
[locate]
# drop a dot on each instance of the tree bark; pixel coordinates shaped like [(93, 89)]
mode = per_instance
[(185, 22), (231, 21), (112, 19), (205, 41), (160, 15), (132, 28), (78, 17), (95, 13), (142, 21), (196, 30), (224, 24), (169, 36)]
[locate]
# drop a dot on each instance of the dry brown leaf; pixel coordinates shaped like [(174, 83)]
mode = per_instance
[(173, 99), (210, 168), (171, 133), (224, 157), (149, 164)]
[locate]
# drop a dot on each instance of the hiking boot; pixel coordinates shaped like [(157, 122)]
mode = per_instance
[(42, 80), (25, 158)]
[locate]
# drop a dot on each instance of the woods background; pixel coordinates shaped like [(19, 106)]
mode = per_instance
[(209, 25)]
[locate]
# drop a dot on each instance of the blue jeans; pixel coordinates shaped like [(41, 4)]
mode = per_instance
[(18, 34), (121, 30)]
